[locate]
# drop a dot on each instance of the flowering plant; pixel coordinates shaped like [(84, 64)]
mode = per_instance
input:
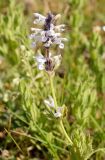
[(49, 35)]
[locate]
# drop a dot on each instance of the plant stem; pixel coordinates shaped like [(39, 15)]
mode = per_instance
[(55, 102), (65, 133), (52, 90)]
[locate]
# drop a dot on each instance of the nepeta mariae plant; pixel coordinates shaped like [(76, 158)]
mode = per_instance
[(49, 34)]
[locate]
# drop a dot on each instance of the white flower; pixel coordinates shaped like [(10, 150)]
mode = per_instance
[(48, 43), (58, 41), (48, 37), (36, 38), (51, 26), (50, 34), (32, 36), (51, 37), (40, 59), (49, 102), (60, 28), (57, 112), (54, 61), (33, 44), (57, 61), (61, 45), (40, 19), (43, 36), (64, 39), (36, 30), (44, 39), (103, 27)]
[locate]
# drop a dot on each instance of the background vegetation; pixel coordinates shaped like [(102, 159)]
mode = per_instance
[(25, 130)]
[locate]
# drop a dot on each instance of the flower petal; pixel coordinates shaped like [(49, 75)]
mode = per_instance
[(36, 30), (58, 113), (37, 15), (32, 36), (40, 58), (41, 67), (33, 44), (47, 44), (49, 102), (44, 39), (60, 28), (57, 61), (61, 46), (39, 18)]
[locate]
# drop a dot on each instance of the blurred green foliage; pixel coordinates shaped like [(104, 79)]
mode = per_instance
[(80, 84)]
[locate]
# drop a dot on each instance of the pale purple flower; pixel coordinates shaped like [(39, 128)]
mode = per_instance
[(50, 34), (36, 30), (57, 61), (57, 112), (60, 28), (40, 19), (32, 36), (49, 102), (33, 44), (48, 63), (59, 42), (40, 59), (48, 43)]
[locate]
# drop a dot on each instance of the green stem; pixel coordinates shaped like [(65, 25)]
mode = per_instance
[(55, 102), (65, 133), (52, 89)]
